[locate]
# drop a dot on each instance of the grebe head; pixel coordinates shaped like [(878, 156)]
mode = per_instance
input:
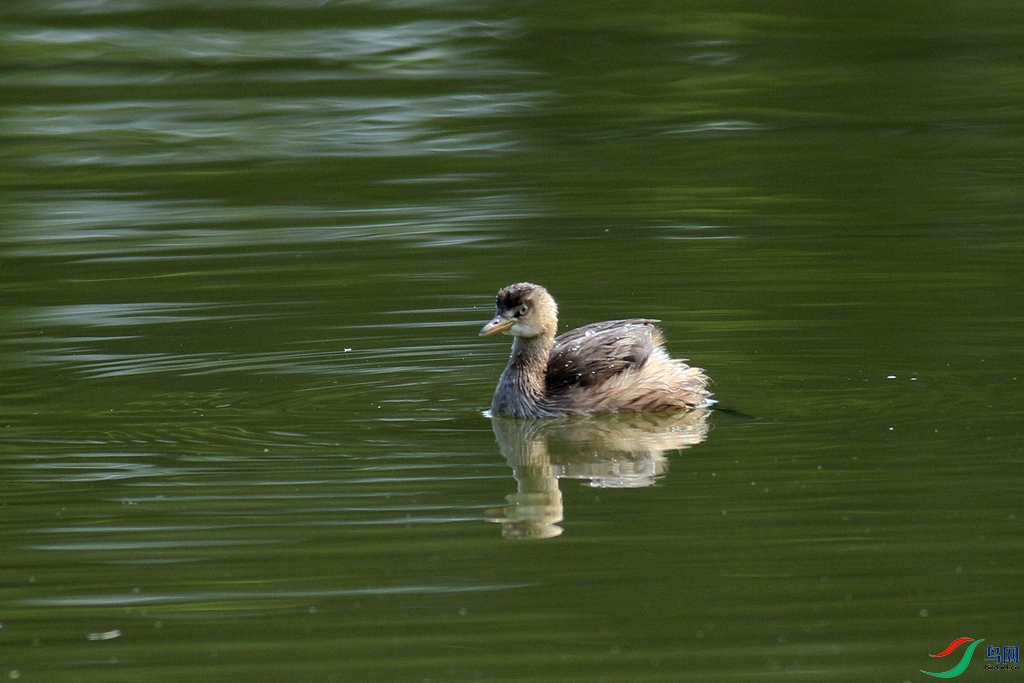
[(524, 310)]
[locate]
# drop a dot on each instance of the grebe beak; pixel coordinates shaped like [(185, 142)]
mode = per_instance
[(498, 324)]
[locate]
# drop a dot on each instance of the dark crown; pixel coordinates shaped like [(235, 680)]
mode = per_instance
[(515, 295)]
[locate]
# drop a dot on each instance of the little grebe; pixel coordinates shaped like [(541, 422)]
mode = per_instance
[(614, 366)]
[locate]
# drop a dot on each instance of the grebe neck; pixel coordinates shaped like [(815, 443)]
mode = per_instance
[(522, 388)]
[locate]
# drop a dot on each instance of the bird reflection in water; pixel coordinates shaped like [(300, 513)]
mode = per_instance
[(620, 450)]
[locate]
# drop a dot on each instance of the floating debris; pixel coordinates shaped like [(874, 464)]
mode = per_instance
[(105, 635)]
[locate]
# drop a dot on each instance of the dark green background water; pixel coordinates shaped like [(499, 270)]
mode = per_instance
[(245, 249)]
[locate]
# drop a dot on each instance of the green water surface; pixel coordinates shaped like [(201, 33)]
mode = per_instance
[(245, 249)]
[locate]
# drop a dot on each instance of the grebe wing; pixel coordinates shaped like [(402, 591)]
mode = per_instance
[(593, 353)]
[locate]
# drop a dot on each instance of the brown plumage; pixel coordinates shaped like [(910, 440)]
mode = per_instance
[(614, 366)]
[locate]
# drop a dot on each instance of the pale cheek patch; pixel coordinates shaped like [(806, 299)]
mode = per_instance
[(521, 329)]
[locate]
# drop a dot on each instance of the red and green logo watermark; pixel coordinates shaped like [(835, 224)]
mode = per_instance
[(1005, 658)]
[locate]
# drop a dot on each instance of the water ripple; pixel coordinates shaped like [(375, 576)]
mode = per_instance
[(399, 361), (429, 48), (122, 6), (129, 599), (133, 133), (132, 228), (116, 315)]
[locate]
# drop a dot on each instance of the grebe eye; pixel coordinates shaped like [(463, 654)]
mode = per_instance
[(523, 309)]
